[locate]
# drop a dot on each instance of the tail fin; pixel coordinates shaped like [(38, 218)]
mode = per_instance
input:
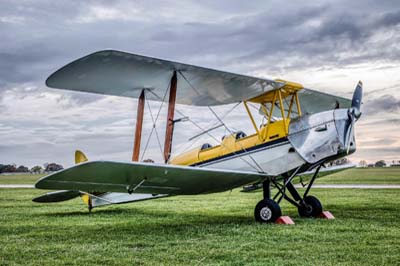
[(80, 157), (63, 195)]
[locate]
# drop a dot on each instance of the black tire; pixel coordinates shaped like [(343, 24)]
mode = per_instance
[(312, 207), (267, 211)]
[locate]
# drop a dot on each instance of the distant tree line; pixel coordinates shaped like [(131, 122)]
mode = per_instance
[(12, 168), (341, 161), (364, 163), (380, 163)]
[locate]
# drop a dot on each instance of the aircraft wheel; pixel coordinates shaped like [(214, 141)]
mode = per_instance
[(312, 207), (267, 211)]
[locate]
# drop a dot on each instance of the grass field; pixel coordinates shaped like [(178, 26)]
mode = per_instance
[(19, 179), (215, 229), (364, 176)]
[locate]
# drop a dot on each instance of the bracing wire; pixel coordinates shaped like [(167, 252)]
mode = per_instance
[(223, 117), (155, 120), (209, 107), (153, 129), (215, 124), (230, 132), (208, 133)]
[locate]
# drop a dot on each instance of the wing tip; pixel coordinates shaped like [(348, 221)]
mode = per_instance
[(51, 80)]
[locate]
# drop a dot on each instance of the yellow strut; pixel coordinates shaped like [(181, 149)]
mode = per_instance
[(282, 111), (290, 106), (298, 103), (251, 118), (270, 114)]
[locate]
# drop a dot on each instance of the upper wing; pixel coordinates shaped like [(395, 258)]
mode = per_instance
[(118, 73), (122, 74), (102, 176)]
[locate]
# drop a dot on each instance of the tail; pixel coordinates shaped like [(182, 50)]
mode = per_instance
[(63, 195), (80, 157)]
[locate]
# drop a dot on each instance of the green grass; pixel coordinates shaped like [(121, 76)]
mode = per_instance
[(353, 176), (19, 179), (385, 175), (215, 229)]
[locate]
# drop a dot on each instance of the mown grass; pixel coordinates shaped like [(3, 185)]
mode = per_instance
[(215, 229), (20, 179), (385, 175)]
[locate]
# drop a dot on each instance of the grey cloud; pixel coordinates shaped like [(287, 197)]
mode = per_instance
[(385, 103), (394, 121), (379, 91), (380, 142), (82, 98), (385, 153), (264, 38), (390, 19)]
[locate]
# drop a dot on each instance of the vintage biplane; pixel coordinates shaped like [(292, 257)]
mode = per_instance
[(303, 130)]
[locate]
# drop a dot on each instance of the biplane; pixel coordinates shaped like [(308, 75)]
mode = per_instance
[(302, 131)]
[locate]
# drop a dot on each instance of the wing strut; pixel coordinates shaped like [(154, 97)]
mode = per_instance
[(170, 118), (138, 130)]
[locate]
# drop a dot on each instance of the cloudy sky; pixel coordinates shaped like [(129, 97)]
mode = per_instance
[(327, 46)]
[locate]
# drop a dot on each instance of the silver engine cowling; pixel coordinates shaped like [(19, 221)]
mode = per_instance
[(327, 135), (322, 136)]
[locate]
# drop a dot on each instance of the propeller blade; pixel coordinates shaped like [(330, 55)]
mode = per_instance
[(354, 113), (349, 135), (357, 100)]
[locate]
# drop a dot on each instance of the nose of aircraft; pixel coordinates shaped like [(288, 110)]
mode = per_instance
[(326, 135)]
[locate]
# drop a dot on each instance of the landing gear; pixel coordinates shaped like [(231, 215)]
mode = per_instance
[(267, 210), (307, 206), (310, 207)]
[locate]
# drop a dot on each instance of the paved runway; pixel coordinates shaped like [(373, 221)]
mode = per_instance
[(17, 186), (354, 186)]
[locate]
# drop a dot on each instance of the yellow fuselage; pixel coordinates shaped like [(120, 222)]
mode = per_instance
[(230, 144)]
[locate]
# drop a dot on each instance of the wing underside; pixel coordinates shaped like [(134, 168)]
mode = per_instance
[(123, 74), (103, 176)]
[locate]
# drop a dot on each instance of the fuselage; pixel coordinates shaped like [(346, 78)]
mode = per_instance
[(310, 139)]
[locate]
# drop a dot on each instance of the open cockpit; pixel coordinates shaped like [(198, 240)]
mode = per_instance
[(277, 107)]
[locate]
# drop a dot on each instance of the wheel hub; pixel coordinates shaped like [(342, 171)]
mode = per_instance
[(308, 208), (266, 213)]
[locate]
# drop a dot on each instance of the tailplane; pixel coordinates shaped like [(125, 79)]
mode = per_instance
[(94, 199), (63, 195)]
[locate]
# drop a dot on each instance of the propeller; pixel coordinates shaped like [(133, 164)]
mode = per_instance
[(354, 113)]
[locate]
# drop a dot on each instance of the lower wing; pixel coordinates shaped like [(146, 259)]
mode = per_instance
[(135, 177)]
